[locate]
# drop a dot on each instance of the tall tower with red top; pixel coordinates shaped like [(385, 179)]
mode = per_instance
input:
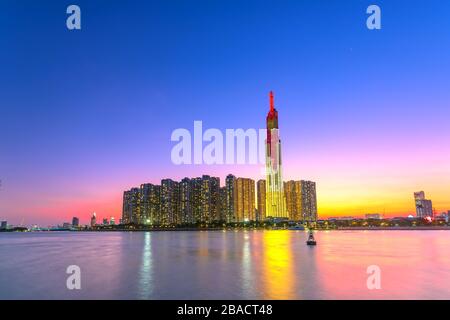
[(275, 198)]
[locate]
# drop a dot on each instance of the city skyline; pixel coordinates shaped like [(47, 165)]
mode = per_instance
[(87, 118)]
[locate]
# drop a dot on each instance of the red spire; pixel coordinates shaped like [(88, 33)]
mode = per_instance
[(272, 106)]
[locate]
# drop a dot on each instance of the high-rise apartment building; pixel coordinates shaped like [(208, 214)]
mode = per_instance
[(131, 211), (231, 198), (301, 200), (245, 208), (186, 206), (293, 193), (169, 202), (261, 200), (308, 201)]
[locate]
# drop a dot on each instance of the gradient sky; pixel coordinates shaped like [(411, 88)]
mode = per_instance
[(85, 115)]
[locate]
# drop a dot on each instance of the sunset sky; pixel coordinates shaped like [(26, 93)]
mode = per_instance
[(87, 114)]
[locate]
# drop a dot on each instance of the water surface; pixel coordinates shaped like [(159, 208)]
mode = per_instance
[(225, 265)]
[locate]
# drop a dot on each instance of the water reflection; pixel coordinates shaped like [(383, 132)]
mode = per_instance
[(278, 266), (146, 270), (247, 274)]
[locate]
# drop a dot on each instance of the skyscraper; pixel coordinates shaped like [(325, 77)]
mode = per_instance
[(223, 204), (301, 200), (169, 202), (308, 201), (424, 207), (186, 205), (245, 208), (131, 211), (275, 198), (231, 200), (261, 199), (93, 219), (293, 192), (149, 204)]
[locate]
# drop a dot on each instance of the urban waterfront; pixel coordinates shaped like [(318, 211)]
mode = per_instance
[(225, 265)]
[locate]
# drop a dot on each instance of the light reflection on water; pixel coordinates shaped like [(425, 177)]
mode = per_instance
[(226, 265)]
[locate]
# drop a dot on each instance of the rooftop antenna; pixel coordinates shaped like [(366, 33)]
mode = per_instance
[(272, 105)]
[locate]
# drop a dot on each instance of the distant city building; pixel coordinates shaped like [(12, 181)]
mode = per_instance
[(131, 206), (424, 207), (231, 198), (293, 194), (169, 202), (186, 204), (112, 221), (4, 225), (375, 216), (93, 219), (309, 201), (245, 208), (75, 222), (261, 200), (66, 225), (149, 195), (210, 199), (301, 200), (275, 197), (105, 221)]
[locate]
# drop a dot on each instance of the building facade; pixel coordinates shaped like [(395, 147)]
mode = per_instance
[(169, 203), (261, 200), (293, 194), (245, 207), (231, 198)]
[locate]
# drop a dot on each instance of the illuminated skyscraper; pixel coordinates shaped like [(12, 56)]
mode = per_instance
[(308, 201), (186, 211), (275, 198), (293, 192), (261, 199), (245, 192), (149, 204), (223, 204), (131, 206), (169, 202), (301, 200), (231, 199)]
